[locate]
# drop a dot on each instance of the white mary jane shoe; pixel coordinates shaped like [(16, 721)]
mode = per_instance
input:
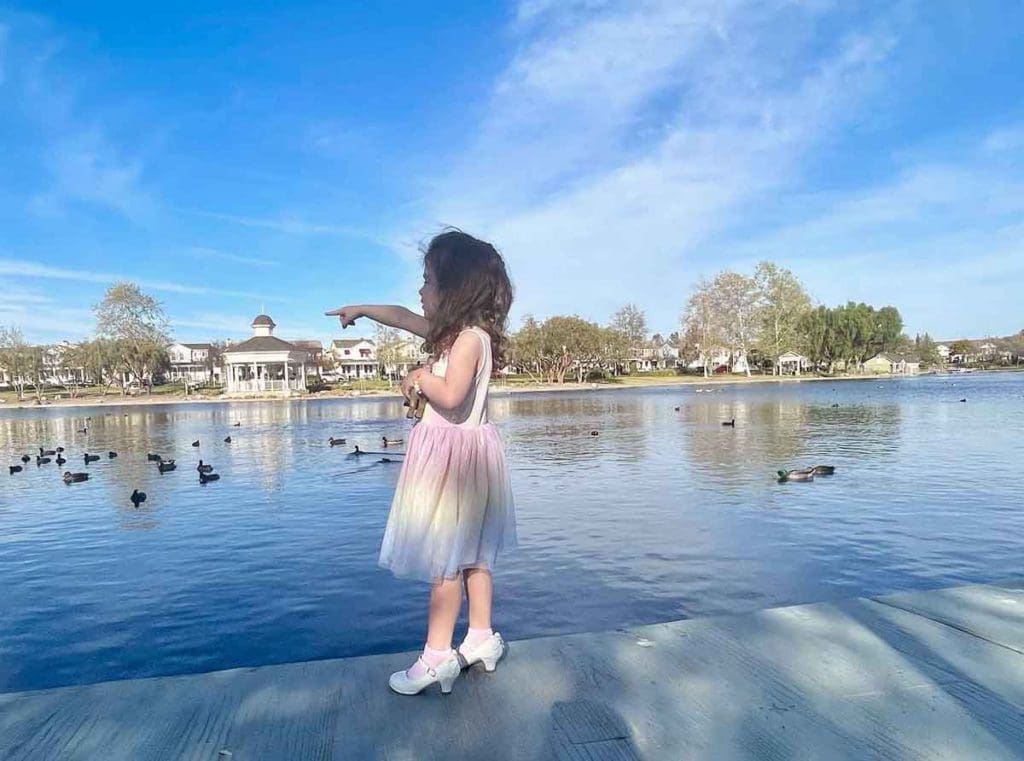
[(489, 652), (445, 675)]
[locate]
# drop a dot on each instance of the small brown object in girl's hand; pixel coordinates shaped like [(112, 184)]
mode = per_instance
[(416, 404)]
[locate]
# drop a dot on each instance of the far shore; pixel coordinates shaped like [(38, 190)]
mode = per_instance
[(498, 389)]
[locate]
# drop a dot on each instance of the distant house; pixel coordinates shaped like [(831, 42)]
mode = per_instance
[(988, 350), (265, 364), (904, 365), (189, 362), (654, 355), (315, 350), (792, 363), (355, 357), (880, 364), (944, 351), (409, 355)]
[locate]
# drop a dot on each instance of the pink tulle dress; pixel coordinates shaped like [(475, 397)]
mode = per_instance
[(453, 505)]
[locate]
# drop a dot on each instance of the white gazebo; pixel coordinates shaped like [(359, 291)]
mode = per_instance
[(265, 364), (793, 362)]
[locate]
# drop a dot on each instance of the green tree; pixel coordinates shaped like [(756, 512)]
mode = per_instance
[(631, 323), (16, 358), (737, 310), (701, 330), (784, 302), (389, 343), (137, 325)]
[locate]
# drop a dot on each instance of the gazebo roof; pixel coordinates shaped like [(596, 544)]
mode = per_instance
[(263, 319), (263, 343)]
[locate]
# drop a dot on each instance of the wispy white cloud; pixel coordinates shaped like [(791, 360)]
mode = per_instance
[(621, 139), (24, 269), (204, 252), (290, 224), (86, 168), (77, 156)]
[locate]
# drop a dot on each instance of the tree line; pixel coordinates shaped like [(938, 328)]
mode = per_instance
[(129, 345)]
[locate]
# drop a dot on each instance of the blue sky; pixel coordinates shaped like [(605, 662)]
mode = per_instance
[(236, 156)]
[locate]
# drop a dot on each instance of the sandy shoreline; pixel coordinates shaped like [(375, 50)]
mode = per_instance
[(498, 390)]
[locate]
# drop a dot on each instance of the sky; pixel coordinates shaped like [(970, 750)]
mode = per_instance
[(239, 157)]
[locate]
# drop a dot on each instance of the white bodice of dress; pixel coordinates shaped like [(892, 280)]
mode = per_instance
[(473, 411)]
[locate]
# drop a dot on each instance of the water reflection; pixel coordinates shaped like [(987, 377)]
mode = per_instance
[(664, 514)]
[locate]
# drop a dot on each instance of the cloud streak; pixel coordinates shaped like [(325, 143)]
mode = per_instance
[(621, 140), (17, 268)]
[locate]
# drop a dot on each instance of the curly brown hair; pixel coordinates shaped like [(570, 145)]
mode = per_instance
[(475, 290)]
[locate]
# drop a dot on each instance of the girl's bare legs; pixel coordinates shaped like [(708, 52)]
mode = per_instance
[(445, 604), (480, 590)]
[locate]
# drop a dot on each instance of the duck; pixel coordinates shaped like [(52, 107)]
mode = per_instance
[(963, 400), (15, 469), (391, 442), (153, 457), (46, 452), (91, 458), (806, 474), (335, 442), (238, 425), (59, 450), (357, 450), (137, 497), (824, 470), (386, 460), (730, 423), (84, 430), (227, 440), (204, 468), (25, 458), (111, 455), (42, 461), (195, 443), (166, 467), (677, 409), (207, 477), (60, 459), (594, 433), (74, 478), (834, 406)]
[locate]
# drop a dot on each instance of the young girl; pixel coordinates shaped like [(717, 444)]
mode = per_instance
[(452, 511)]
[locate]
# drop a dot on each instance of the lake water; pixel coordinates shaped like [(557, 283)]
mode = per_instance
[(665, 515)]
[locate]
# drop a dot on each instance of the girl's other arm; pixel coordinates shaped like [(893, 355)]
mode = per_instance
[(451, 391), (393, 316)]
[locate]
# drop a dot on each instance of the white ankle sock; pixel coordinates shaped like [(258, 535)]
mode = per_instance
[(476, 637), (430, 657)]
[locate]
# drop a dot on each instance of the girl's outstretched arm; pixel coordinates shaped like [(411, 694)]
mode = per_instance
[(393, 316), (451, 391)]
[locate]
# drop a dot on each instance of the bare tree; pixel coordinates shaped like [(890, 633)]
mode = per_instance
[(137, 324)]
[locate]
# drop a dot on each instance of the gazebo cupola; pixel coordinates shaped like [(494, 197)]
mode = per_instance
[(263, 325)]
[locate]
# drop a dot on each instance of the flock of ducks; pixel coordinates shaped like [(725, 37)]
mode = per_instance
[(46, 456)]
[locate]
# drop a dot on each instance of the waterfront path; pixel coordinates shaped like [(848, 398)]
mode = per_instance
[(919, 675)]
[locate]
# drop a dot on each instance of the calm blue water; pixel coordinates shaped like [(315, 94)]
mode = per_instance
[(664, 515)]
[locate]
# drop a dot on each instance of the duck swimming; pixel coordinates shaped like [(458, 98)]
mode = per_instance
[(137, 497), (42, 461), (824, 470), (806, 474), (207, 477), (91, 458), (14, 469), (335, 442), (25, 458), (227, 440), (111, 455), (730, 423), (390, 442), (195, 443), (166, 467), (46, 452), (204, 468), (153, 457), (74, 478), (60, 459)]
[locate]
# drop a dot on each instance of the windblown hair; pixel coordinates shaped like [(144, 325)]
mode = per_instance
[(474, 290)]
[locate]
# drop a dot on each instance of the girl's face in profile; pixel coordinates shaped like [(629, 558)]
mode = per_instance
[(429, 295)]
